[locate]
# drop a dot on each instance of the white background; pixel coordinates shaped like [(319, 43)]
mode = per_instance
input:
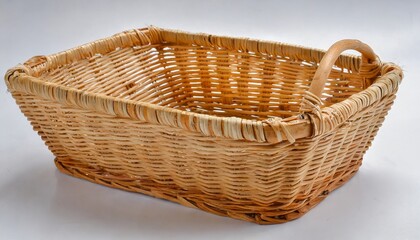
[(381, 202)]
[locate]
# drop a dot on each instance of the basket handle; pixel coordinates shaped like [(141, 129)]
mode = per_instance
[(331, 56)]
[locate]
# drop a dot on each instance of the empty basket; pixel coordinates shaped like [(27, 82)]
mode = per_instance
[(254, 130)]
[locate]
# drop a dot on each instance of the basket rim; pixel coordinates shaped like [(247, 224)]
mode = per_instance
[(315, 121)]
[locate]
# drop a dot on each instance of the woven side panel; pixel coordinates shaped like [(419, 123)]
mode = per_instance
[(257, 182)]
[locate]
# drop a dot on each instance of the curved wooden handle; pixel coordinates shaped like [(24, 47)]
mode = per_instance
[(327, 62)]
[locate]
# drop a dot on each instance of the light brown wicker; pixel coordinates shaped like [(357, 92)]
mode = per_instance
[(254, 130)]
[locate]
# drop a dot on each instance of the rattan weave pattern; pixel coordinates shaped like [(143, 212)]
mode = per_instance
[(223, 124)]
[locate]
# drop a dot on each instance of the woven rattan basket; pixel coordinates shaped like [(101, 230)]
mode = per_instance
[(254, 130)]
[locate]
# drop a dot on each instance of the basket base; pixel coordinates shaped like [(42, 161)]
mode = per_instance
[(270, 215)]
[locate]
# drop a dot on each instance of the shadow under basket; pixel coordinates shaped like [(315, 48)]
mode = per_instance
[(254, 130)]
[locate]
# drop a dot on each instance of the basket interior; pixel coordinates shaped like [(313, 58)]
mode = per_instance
[(205, 79)]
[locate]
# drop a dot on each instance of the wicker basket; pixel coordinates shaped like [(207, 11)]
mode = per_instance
[(254, 130)]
